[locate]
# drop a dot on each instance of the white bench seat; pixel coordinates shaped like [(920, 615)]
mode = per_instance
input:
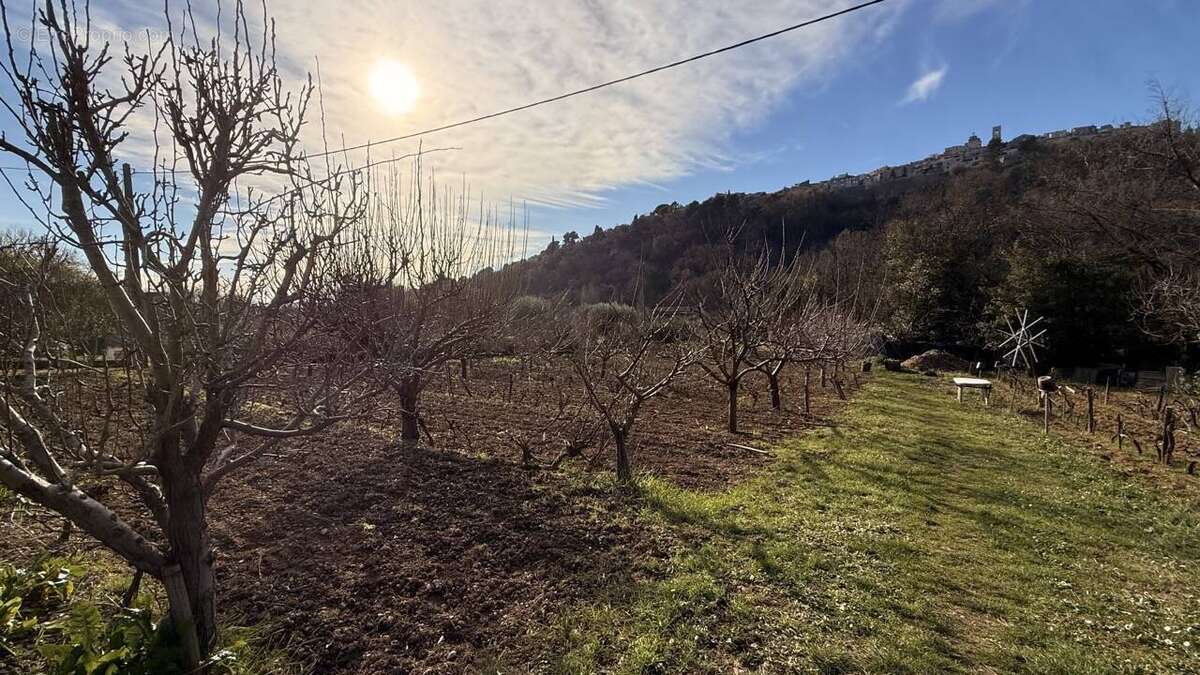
[(984, 386)]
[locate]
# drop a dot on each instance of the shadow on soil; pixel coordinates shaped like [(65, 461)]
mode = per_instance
[(388, 558)]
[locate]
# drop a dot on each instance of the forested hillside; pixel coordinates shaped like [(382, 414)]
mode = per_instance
[(1098, 235)]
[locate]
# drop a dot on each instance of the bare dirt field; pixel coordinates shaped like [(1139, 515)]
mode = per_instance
[(365, 555), (379, 557)]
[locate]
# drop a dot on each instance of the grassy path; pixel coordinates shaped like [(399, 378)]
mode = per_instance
[(914, 536)]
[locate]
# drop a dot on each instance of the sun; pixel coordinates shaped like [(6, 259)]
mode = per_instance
[(393, 86)]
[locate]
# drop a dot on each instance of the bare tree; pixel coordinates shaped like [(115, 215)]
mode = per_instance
[(536, 332), (418, 272), (622, 365), (1134, 202), (808, 335), (216, 295), (745, 326)]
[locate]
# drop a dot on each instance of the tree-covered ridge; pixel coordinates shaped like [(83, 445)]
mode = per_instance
[(1099, 235)]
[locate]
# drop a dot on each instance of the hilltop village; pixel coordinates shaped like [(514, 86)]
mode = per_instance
[(969, 154)]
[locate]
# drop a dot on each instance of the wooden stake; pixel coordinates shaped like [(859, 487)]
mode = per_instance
[(1091, 407), (1107, 382), (1166, 448), (837, 385), (746, 447), (1046, 398)]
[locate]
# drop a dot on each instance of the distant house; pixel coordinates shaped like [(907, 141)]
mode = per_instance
[(957, 157)]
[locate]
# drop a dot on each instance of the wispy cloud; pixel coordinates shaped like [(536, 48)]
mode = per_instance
[(473, 58), (957, 10), (925, 86)]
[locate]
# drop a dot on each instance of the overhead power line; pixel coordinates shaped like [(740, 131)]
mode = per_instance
[(585, 90), (602, 85)]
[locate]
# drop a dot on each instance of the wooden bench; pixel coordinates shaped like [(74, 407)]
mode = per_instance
[(985, 386)]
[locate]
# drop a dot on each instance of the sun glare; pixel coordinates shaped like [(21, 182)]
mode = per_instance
[(394, 87)]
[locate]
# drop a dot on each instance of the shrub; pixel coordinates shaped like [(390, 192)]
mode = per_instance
[(26, 595), (531, 308), (676, 329), (606, 318), (39, 610), (126, 643)]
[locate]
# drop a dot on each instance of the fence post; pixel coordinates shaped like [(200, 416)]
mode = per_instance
[(1166, 449), (1091, 409)]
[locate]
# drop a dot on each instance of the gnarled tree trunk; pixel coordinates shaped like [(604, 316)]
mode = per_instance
[(773, 383), (732, 385), (410, 424), (620, 439), (190, 548)]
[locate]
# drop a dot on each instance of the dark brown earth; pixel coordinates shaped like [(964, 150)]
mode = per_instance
[(377, 557), (364, 555)]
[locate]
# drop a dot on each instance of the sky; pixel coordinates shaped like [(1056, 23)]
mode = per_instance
[(886, 85)]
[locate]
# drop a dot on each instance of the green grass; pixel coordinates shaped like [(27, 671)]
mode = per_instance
[(917, 536)]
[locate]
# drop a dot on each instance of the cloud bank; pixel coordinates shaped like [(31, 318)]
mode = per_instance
[(472, 58)]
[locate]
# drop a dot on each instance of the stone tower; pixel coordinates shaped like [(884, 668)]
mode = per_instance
[(996, 134)]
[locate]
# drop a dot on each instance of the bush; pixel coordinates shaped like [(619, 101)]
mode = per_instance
[(606, 318), (41, 616), (27, 595), (531, 308), (677, 329), (127, 643)]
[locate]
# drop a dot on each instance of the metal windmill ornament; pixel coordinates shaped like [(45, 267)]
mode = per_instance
[(1025, 342)]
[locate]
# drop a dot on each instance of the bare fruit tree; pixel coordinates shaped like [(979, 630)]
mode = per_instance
[(815, 331), (744, 326), (623, 363), (214, 289), (417, 275), (537, 335)]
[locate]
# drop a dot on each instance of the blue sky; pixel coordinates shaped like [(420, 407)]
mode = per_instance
[(1029, 66), (844, 96)]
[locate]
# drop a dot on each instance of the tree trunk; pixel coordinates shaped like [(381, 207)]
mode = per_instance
[(191, 550), (624, 472), (773, 382), (733, 406), (807, 408), (410, 428)]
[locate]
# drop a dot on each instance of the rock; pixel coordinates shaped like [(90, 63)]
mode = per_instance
[(936, 360)]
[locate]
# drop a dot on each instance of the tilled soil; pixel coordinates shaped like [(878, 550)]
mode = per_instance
[(379, 557), (382, 558), (365, 555)]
